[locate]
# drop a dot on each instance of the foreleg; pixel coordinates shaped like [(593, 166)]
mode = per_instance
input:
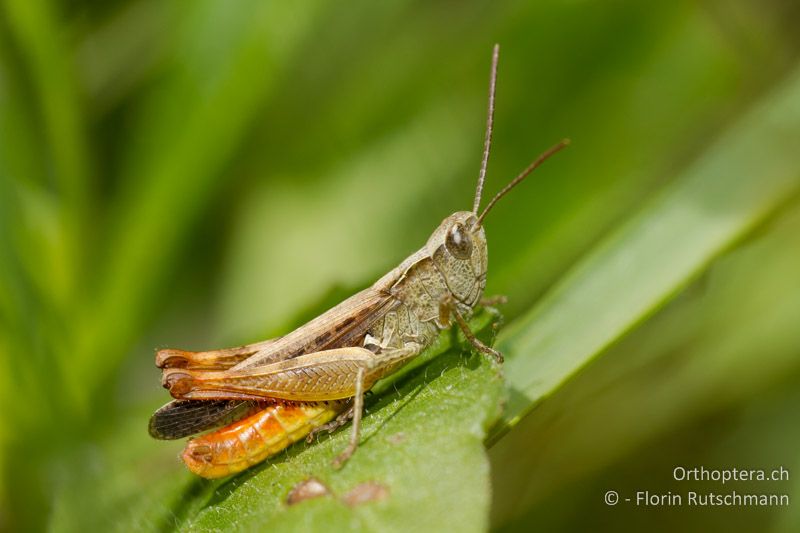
[(448, 308)]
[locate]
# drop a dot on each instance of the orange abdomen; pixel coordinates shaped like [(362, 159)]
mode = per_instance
[(250, 440)]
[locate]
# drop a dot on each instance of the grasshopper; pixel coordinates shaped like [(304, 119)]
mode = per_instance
[(273, 393)]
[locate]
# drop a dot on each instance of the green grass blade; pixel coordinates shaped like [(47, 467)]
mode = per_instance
[(172, 169), (41, 39), (726, 345), (743, 177)]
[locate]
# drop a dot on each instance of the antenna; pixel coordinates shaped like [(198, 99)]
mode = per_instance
[(538, 161), (487, 142)]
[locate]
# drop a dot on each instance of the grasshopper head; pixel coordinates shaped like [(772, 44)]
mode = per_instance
[(458, 248)]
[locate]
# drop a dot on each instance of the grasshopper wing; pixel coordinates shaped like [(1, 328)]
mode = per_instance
[(343, 325), (181, 418)]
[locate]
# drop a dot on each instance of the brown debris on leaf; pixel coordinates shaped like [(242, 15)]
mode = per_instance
[(366, 492), (307, 490)]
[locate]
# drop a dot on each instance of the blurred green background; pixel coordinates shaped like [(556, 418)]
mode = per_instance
[(201, 174)]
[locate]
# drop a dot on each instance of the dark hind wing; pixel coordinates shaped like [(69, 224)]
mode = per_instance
[(182, 418)]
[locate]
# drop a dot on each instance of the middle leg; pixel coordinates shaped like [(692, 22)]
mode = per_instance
[(383, 364)]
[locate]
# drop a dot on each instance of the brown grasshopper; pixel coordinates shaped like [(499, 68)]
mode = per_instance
[(278, 391)]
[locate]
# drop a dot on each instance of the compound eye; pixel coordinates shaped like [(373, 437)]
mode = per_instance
[(458, 242)]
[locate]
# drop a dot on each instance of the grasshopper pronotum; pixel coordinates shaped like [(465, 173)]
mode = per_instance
[(278, 391)]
